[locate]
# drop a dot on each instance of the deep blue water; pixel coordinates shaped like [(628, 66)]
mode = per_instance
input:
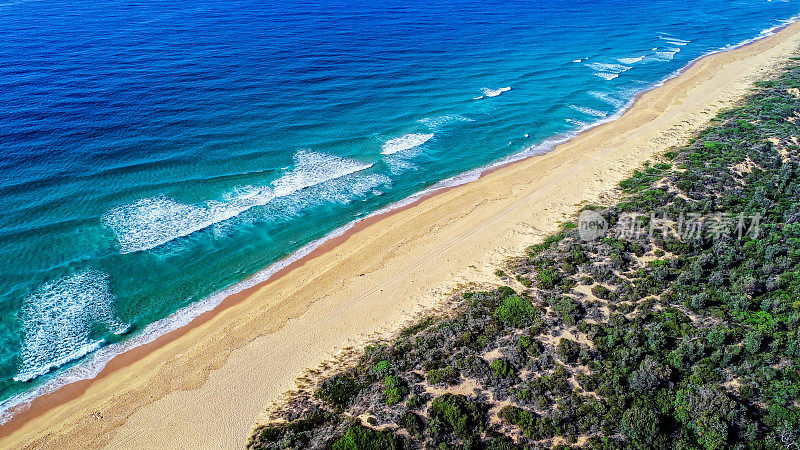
[(153, 154)]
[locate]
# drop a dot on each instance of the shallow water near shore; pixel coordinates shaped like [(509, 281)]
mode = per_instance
[(154, 157)]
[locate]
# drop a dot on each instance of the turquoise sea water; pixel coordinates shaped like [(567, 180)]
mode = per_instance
[(153, 156)]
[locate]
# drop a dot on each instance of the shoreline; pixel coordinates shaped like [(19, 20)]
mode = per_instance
[(198, 313), (43, 404), (190, 314)]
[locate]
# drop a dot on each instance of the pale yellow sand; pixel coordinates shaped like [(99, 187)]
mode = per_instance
[(206, 388)]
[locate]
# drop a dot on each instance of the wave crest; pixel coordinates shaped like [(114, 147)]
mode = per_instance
[(58, 319), (405, 142), (488, 92), (151, 222)]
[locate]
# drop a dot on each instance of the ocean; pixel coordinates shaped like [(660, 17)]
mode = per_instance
[(157, 156)]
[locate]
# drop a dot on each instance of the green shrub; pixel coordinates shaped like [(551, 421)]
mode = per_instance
[(359, 437), (603, 292), (530, 346), (417, 327), (548, 242), (524, 419), (568, 309), (548, 278), (338, 390), (394, 390), (446, 375), (381, 367), (753, 341), (640, 425), (524, 281), (414, 402), (568, 350), (516, 312), (295, 434), (413, 423), (460, 414), (502, 369)]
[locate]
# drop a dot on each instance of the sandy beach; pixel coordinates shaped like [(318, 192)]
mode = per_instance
[(207, 385)]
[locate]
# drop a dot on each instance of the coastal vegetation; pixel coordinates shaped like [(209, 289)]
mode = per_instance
[(677, 327)]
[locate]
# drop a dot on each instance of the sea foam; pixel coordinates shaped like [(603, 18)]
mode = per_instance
[(606, 76), (313, 168), (577, 123), (405, 142), (673, 40), (610, 98), (608, 67), (667, 54), (589, 111), (436, 123), (488, 92), (58, 319), (631, 60), (607, 71), (151, 222)]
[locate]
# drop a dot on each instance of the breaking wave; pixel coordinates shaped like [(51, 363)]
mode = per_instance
[(673, 40), (631, 60), (607, 71), (495, 92), (58, 320), (438, 122), (151, 222), (667, 54), (589, 111), (405, 142)]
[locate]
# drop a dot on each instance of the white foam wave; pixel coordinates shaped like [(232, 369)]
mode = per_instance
[(399, 165), (606, 76), (488, 92), (313, 168), (676, 42), (576, 122), (405, 142), (438, 122), (609, 98), (607, 71), (151, 222), (57, 321), (608, 67), (348, 189), (673, 40), (631, 60), (589, 111), (667, 54)]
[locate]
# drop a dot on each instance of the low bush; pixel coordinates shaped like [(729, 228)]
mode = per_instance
[(463, 416), (359, 437), (446, 375), (516, 312), (338, 390)]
